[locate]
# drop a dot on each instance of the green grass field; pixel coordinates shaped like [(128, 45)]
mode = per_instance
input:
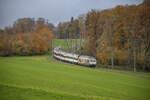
[(41, 78), (60, 42), (63, 43)]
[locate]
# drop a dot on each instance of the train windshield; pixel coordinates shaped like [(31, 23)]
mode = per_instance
[(93, 60)]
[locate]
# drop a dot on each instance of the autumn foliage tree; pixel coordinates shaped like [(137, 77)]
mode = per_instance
[(117, 36), (120, 36), (26, 37)]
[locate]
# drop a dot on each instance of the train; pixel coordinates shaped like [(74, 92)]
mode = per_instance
[(84, 60)]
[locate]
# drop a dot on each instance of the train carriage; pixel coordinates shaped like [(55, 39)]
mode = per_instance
[(87, 60), (73, 58)]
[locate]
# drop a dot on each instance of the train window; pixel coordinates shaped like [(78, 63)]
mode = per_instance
[(75, 58), (69, 57), (92, 60)]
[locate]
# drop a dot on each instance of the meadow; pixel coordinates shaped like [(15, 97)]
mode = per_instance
[(42, 78), (63, 43)]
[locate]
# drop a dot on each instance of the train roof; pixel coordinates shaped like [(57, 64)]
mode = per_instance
[(89, 57), (72, 55), (69, 54), (58, 50)]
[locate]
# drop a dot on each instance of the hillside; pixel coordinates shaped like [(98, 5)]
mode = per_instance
[(41, 78)]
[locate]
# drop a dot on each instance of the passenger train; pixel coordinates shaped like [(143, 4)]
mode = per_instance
[(73, 58)]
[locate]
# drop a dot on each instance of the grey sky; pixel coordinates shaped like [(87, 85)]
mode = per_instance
[(54, 10)]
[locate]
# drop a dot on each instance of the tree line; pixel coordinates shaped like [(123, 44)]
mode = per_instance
[(116, 37), (120, 36), (27, 36)]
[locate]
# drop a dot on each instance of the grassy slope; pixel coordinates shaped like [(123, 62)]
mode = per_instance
[(60, 42), (63, 43), (40, 78)]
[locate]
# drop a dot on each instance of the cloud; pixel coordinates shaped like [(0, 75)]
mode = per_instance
[(54, 10)]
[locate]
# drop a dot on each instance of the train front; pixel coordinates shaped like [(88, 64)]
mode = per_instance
[(92, 62)]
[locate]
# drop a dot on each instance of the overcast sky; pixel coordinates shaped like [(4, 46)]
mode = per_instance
[(54, 10)]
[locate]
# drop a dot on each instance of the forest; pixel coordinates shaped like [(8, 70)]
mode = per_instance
[(115, 37), (118, 37), (26, 37)]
